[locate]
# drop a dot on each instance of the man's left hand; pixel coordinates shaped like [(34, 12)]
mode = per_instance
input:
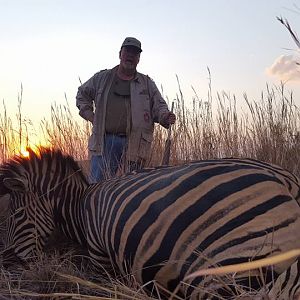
[(171, 118)]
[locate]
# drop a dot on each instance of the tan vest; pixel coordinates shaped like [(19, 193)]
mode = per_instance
[(147, 107)]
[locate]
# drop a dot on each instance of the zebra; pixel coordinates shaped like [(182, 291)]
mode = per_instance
[(160, 224)]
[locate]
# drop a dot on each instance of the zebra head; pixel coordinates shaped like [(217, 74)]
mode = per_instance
[(29, 222), (34, 187)]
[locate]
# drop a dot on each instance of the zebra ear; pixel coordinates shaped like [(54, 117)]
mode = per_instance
[(15, 184), (4, 204)]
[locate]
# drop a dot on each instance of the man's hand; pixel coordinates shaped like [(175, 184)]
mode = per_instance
[(167, 119), (170, 118)]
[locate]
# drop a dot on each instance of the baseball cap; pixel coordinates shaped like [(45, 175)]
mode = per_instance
[(131, 41)]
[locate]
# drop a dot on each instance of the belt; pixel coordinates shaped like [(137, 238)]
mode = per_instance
[(117, 134)]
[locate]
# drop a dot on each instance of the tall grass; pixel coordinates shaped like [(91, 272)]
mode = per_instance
[(64, 132), (219, 126), (266, 129)]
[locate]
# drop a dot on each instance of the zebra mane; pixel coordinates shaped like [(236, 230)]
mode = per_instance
[(18, 165)]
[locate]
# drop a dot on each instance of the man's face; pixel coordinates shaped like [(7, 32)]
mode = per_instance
[(129, 57)]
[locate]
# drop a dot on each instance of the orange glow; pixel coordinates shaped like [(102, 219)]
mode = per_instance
[(25, 151)]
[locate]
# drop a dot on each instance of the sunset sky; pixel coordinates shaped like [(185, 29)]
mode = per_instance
[(48, 45)]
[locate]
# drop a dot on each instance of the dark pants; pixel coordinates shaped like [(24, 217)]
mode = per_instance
[(106, 166)]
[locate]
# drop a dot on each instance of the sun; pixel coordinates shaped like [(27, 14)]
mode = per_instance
[(24, 153)]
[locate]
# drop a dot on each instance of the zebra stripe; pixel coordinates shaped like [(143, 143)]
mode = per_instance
[(164, 223), (287, 285)]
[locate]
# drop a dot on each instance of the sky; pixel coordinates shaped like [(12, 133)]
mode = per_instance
[(46, 46)]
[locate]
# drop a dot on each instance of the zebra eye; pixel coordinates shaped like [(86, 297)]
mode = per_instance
[(20, 209)]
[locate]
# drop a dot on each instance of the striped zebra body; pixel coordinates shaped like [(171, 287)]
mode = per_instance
[(169, 222), (165, 223)]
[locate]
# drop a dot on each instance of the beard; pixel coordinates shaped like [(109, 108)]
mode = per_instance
[(128, 67)]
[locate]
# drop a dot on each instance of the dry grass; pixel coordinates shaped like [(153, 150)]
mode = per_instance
[(57, 276), (65, 133), (266, 129)]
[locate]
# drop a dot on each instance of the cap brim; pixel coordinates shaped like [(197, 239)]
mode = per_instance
[(138, 48)]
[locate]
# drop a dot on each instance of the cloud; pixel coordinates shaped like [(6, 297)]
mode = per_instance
[(285, 68)]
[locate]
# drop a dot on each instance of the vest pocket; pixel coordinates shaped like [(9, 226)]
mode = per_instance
[(145, 145)]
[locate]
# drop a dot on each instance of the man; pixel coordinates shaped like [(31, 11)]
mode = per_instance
[(127, 103)]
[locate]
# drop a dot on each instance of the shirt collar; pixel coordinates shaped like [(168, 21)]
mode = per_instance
[(136, 77)]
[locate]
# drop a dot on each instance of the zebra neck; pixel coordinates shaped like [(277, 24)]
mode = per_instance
[(68, 214)]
